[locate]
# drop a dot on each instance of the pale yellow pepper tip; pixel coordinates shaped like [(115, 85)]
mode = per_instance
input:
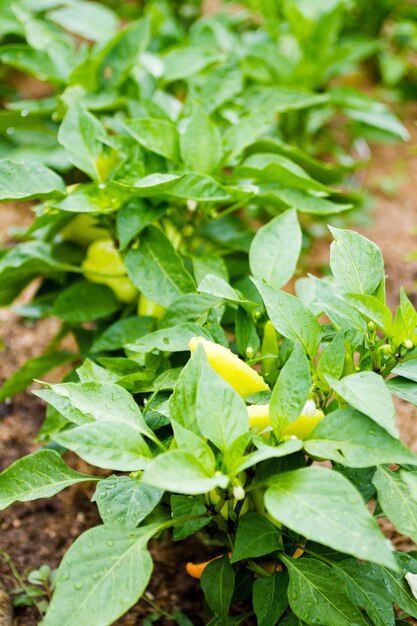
[(245, 380)]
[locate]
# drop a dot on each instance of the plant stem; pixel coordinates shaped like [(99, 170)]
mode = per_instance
[(156, 607), (8, 559)]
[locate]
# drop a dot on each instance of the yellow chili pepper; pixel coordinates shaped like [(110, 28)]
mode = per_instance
[(245, 380), (301, 427), (148, 308), (104, 264)]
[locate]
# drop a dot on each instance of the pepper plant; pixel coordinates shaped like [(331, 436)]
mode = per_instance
[(189, 128), (285, 460)]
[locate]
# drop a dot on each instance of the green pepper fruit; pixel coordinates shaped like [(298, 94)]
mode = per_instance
[(104, 264), (270, 353), (83, 230)]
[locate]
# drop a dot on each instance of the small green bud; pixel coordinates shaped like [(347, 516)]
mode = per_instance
[(249, 352), (371, 327), (188, 230), (408, 344), (386, 349)]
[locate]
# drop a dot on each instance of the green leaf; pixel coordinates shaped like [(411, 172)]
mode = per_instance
[(403, 388), (408, 369), (372, 309), (38, 475), (133, 218), (121, 333), (270, 598), (395, 501), (121, 53), (220, 288), (291, 318), (332, 359), (343, 316), (183, 402), (82, 136), (108, 444), (275, 249), (184, 61), (317, 596), (220, 86), (221, 416), (37, 63), (154, 184), (275, 168), (265, 452), (84, 302), (204, 264), (174, 339), (316, 503), (350, 438), (201, 144), (187, 440), (356, 262), (33, 368), (87, 19), (183, 506), (93, 198), (157, 270), (410, 479), (93, 572), (303, 201), (125, 501), (399, 591), (405, 321), (199, 187), (156, 135), (291, 390), (103, 402), (255, 536), (368, 393), (191, 307), (180, 471), (218, 583), (366, 587), (247, 338), (27, 180)]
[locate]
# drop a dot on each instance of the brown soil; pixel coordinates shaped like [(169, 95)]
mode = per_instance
[(40, 532)]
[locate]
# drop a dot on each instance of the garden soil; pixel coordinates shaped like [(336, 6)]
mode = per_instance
[(40, 532)]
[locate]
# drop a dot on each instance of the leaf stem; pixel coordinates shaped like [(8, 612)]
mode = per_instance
[(146, 596), (8, 559)]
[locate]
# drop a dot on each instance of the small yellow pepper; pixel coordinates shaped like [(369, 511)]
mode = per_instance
[(301, 427), (245, 380), (104, 264), (147, 308)]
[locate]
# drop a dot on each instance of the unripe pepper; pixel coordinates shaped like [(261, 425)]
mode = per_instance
[(83, 230), (104, 264), (270, 353), (245, 380), (300, 428), (147, 308)]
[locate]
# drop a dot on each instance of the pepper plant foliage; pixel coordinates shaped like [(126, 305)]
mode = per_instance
[(198, 129), (292, 505)]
